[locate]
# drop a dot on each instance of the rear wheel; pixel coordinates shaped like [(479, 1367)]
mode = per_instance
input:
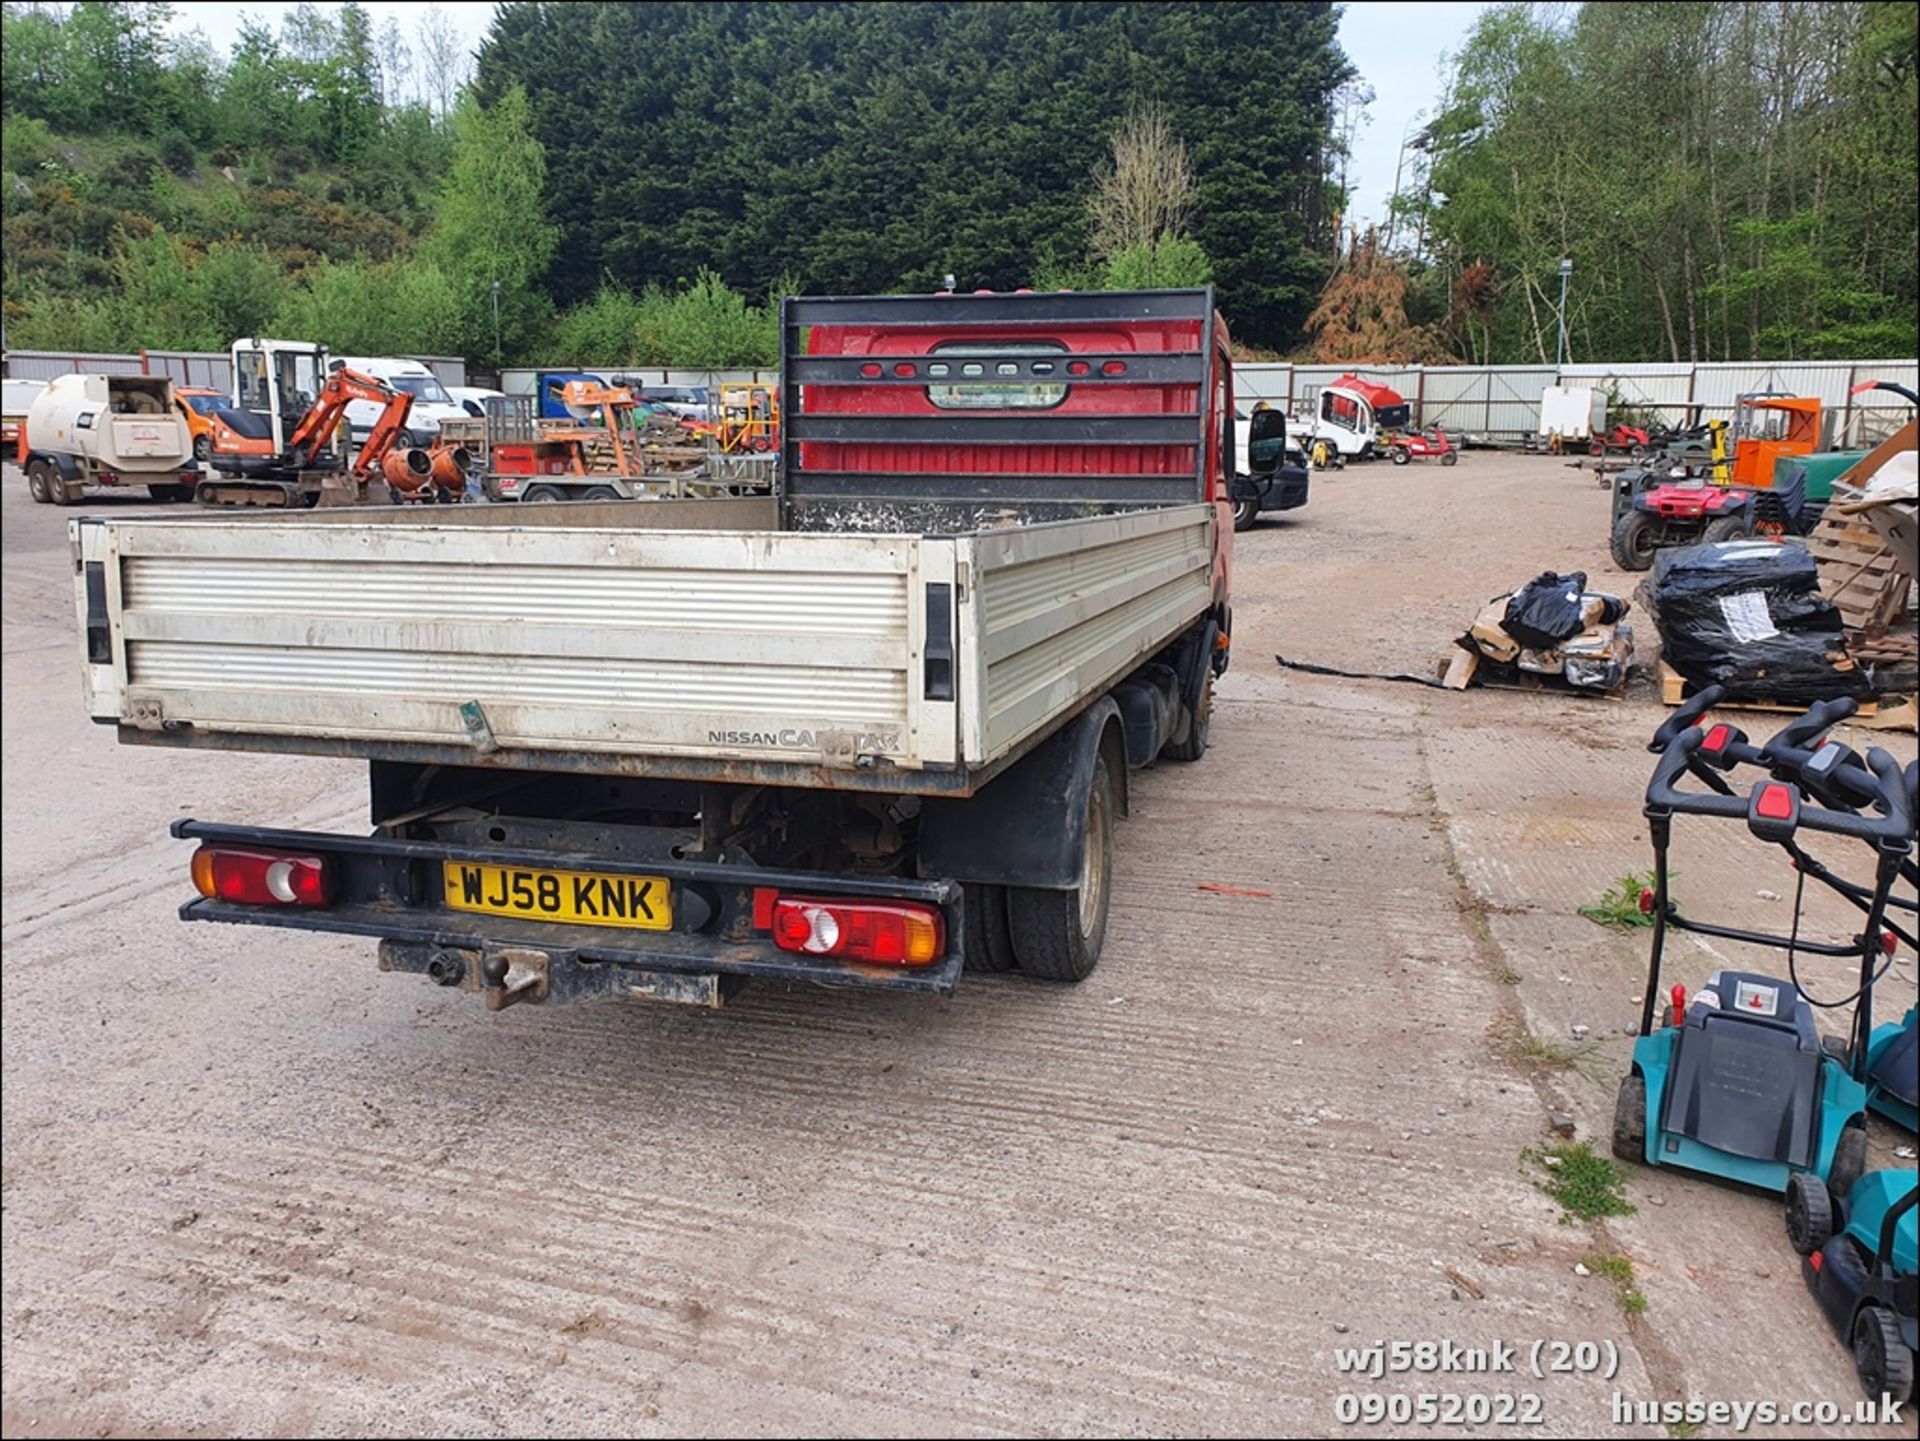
[(989, 941), (1449, 457), (540, 492), (1880, 1356), (1849, 1160), (1809, 1213), (40, 482), (1057, 935), (1728, 527), (1401, 455), (1630, 1120), (1635, 541), (600, 492), (1191, 742), (1245, 512)]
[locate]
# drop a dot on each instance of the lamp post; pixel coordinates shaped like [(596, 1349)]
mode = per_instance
[(496, 317), (1560, 350)]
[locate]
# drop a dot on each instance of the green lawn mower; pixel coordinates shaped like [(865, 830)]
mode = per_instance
[(1737, 1083)]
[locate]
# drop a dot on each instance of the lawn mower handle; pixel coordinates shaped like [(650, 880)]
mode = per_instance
[(1800, 733), (1673, 763), (1895, 827), (1686, 716)]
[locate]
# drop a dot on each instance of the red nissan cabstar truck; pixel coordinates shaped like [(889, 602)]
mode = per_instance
[(871, 731)]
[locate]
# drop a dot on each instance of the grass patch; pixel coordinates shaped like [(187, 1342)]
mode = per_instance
[(1619, 906), (1587, 1187), (1619, 1270), (1682, 1430)]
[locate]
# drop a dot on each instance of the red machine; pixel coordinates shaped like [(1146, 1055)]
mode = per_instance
[(1426, 445)]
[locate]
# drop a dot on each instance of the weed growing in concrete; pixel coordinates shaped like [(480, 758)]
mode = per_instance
[(1588, 1187), (1619, 1270), (1619, 908)]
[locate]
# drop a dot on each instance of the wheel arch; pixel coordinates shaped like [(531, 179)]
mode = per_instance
[(1028, 826)]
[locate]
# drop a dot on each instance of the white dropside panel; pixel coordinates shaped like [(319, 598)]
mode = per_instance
[(1062, 611), (751, 645)]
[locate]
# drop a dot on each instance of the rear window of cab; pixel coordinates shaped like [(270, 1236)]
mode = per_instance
[(963, 384)]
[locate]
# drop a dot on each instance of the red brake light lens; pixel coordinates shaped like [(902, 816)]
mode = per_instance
[(886, 933), (261, 877)]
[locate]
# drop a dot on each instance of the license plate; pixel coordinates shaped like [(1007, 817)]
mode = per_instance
[(583, 898)]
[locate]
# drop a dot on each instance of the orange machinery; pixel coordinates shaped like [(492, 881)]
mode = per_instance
[(1765, 428), (279, 384)]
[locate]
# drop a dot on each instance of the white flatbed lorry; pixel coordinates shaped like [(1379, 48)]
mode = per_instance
[(867, 732)]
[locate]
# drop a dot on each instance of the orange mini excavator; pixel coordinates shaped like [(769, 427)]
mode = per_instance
[(277, 444)]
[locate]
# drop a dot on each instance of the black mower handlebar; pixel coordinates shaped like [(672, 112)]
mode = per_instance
[(1687, 716), (1800, 733), (1889, 786)]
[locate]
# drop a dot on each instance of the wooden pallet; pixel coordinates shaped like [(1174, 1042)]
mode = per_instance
[(1872, 715), (1858, 572)]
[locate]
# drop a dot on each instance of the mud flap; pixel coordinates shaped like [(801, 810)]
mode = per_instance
[(1028, 826)]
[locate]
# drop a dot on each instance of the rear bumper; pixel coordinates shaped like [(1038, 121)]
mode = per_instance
[(392, 891)]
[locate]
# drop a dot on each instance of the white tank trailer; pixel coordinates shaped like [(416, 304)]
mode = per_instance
[(107, 432)]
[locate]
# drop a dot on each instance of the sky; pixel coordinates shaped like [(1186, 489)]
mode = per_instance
[(1398, 50), (1397, 47)]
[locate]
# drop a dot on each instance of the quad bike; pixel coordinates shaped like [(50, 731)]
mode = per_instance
[(1677, 498)]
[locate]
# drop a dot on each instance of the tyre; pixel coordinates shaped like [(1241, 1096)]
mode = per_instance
[(600, 492), (540, 492), (1401, 455), (1190, 743), (1880, 1356), (1728, 527), (1849, 1160), (1245, 512), (1057, 935), (1635, 539), (203, 447), (1451, 457), (39, 483), (58, 491), (1630, 1120), (1809, 1213), (989, 941)]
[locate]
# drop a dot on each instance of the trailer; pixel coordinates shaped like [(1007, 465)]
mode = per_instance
[(91, 433), (869, 732)]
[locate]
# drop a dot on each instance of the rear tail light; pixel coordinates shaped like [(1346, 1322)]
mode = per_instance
[(886, 933), (262, 878)]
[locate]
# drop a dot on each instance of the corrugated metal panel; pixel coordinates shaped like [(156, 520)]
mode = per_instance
[(45, 364), (1658, 390), (570, 639), (1255, 381), (1064, 610), (451, 369)]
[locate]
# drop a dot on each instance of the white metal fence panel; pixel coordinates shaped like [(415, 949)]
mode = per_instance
[(1258, 380)]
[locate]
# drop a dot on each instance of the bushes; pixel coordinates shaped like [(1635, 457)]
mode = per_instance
[(706, 326)]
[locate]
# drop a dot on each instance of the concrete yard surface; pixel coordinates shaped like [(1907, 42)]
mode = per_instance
[(253, 1185)]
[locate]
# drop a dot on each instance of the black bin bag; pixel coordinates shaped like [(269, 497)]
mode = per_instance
[(1546, 610)]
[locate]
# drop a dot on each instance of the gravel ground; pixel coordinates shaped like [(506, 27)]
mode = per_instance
[(251, 1185)]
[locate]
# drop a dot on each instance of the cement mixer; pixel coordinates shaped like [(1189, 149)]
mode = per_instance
[(93, 433)]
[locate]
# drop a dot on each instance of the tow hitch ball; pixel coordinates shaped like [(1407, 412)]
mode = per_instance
[(511, 977)]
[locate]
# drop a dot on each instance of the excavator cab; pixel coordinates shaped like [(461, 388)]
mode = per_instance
[(275, 384)]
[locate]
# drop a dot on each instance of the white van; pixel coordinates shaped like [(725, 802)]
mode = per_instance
[(431, 403), (473, 398)]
